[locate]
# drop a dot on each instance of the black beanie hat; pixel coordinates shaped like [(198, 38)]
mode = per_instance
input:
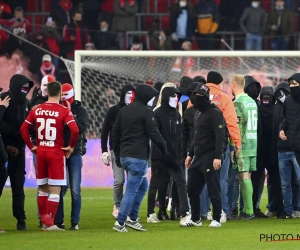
[(214, 77), (158, 86)]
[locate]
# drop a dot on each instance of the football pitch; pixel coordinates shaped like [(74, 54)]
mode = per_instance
[(97, 222)]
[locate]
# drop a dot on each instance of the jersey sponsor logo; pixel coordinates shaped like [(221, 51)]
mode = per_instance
[(250, 104), (47, 143), (17, 31), (251, 136), (40, 111)]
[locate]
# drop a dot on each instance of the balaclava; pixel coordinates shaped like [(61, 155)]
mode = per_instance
[(46, 79), (281, 94), (66, 87), (201, 102)]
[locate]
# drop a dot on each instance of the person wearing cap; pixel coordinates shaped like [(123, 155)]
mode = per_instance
[(225, 104), (184, 84), (168, 120), (47, 68), (89, 46), (206, 152), (14, 116)]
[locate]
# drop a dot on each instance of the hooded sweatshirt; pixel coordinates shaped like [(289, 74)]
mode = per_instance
[(168, 121), (15, 113), (135, 125), (111, 117)]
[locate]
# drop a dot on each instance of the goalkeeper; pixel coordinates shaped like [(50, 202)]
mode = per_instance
[(245, 162)]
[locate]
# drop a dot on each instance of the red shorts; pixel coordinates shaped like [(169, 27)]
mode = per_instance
[(51, 168)]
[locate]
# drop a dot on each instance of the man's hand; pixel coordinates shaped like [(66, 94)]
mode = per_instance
[(106, 158), (35, 107), (282, 135), (237, 150), (73, 38), (5, 101), (12, 150), (33, 150), (68, 150), (188, 161), (217, 164)]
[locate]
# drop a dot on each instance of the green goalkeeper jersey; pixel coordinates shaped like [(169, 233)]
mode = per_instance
[(246, 110)]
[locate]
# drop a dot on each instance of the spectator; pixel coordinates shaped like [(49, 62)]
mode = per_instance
[(61, 14), (53, 39), (48, 68), (75, 35), (5, 11), (124, 19), (105, 39), (208, 19), (89, 46), (3, 39), (19, 26), (35, 53), (280, 26), (161, 41), (182, 19), (252, 22), (91, 11), (107, 11), (137, 44)]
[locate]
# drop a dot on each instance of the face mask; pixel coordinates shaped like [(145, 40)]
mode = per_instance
[(150, 103), (182, 4), (192, 98), (44, 90), (47, 64), (281, 95), (69, 97), (295, 92), (161, 38), (173, 101), (279, 7), (128, 97), (104, 29), (266, 100), (25, 90), (201, 102), (255, 4)]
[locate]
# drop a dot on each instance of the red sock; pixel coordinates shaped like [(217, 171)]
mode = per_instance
[(42, 205), (52, 206)]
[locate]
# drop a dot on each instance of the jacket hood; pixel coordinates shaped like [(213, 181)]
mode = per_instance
[(296, 77), (281, 86), (124, 90), (167, 92), (251, 82), (267, 90), (144, 93), (16, 82)]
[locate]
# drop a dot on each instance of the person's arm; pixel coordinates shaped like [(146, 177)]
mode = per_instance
[(153, 132), (218, 125), (66, 36), (242, 21), (132, 10), (24, 130), (284, 125), (185, 137), (56, 35), (81, 119), (106, 128), (263, 23), (118, 11), (116, 133)]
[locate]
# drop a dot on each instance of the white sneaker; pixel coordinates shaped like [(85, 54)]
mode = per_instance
[(270, 214), (296, 214), (53, 228), (191, 223), (185, 220), (153, 218), (223, 218), (115, 212), (209, 215), (214, 223)]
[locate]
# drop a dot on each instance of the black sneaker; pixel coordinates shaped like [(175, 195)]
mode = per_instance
[(232, 216), (74, 227), (285, 216), (248, 217), (21, 225), (234, 212), (61, 225), (162, 215), (260, 214)]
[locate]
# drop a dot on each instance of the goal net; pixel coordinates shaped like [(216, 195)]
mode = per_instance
[(98, 76)]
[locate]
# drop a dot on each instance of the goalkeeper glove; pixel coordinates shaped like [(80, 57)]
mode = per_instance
[(106, 158)]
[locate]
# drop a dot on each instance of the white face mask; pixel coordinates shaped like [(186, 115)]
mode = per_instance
[(128, 97), (255, 4), (173, 101), (279, 7), (103, 29), (182, 4), (44, 89), (150, 103)]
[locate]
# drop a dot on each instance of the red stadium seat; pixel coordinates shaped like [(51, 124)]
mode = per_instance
[(31, 6), (165, 22), (148, 22)]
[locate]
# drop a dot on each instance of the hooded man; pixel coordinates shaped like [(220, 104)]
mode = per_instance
[(207, 154), (127, 97), (133, 128), (168, 121), (252, 88), (184, 85), (74, 162), (13, 118), (283, 155)]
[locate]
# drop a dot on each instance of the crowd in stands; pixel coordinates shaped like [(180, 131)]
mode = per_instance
[(102, 25)]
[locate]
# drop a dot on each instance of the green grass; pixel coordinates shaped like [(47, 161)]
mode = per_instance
[(96, 229)]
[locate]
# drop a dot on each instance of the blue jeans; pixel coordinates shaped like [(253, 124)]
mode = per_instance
[(224, 181), (279, 44), (288, 165), (74, 166), (253, 42), (234, 191), (137, 186)]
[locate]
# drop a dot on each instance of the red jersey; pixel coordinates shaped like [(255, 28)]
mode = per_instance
[(49, 119)]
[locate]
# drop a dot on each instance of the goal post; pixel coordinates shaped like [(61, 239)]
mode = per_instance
[(98, 76)]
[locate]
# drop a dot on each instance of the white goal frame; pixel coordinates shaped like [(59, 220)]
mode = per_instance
[(121, 53)]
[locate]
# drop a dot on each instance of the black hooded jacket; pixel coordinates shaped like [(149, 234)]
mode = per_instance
[(135, 125), (279, 145), (111, 117), (291, 112), (15, 113), (168, 121)]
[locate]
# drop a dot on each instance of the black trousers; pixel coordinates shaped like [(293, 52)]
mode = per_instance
[(161, 171), (3, 176), (201, 172), (16, 173)]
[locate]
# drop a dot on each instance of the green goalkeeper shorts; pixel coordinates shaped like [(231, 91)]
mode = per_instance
[(245, 164)]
